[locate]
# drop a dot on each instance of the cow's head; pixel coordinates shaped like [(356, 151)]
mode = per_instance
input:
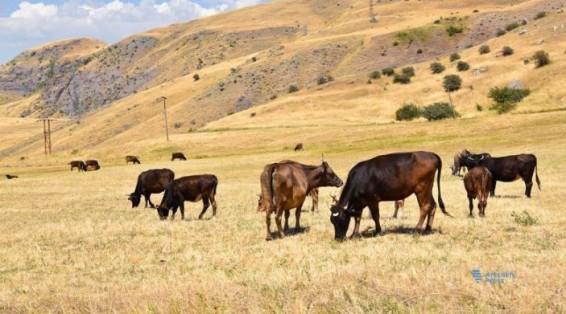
[(162, 211), (329, 178), (135, 198), (340, 218), (261, 206)]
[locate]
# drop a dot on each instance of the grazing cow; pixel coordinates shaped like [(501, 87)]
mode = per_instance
[(477, 182), (91, 165), (399, 206), (299, 146), (191, 188), (507, 169), (9, 177), (388, 178), (149, 182), (261, 205), (132, 159), (285, 185), (79, 164), (457, 166), (178, 155)]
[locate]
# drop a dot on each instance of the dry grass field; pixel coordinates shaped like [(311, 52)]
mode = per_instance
[(71, 243)]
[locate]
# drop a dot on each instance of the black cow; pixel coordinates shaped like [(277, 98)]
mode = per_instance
[(190, 188), (150, 182), (9, 177), (79, 164), (388, 178), (507, 169), (178, 155), (299, 146), (132, 159), (91, 165)]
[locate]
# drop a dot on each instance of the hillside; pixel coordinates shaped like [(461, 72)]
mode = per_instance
[(105, 95)]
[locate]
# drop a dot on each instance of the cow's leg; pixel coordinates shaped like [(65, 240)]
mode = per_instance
[(425, 205), (268, 223), (357, 220), (174, 211), (298, 218), (374, 210), (148, 200), (430, 216), (286, 225), (482, 205), (205, 204), (213, 203), (471, 205), (528, 188), (492, 192), (399, 209), (278, 214)]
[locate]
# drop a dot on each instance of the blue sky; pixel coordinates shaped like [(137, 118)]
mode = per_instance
[(25, 24)]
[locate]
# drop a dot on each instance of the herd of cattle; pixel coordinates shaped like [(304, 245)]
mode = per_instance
[(391, 177), (91, 165)]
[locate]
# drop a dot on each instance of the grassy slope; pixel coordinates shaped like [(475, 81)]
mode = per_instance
[(74, 245)]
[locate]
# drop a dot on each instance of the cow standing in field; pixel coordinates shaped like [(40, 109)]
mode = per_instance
[(91, 165), (388, 178), (299, 147), (477, 182), (150, 182), (399, 206), (507, 169), (133, 159), (190, 188), (10, 177), (285, 185), (178, 155), (79, 164), (313, 194)]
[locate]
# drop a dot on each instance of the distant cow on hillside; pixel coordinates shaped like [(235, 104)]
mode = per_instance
[(92, 165), (79, 164), (299, 146), (9, 177), (132, 159), (178, 155)]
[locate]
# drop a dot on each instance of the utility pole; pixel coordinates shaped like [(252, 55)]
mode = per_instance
[(46, 135), (165, 113), (372, 18)]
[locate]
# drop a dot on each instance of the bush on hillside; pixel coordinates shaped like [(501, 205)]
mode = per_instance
[(388, 71), (437, 67), (439, 111), (511, 26), (407, 112), (452, 83), (401, 79), (323, 79), (499, 32), (455, 56), (408, 71), (293, 88), (540, 15), (462, 66), (484, 49), (374, 75), (196, 77), (541, 58), (453, 30), (507, 51), (506, 98)]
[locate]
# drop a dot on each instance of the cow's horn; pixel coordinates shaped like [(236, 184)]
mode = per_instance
[(335, 214)]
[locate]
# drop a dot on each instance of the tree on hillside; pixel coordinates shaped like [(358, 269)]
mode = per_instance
[(451, 83)]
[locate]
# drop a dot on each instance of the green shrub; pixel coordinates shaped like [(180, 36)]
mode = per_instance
[(323, 79), (452, 83), (484, 49), (407, 112), (388, 71), (506, 98), (479, 107), (511, 26), (196, 77), (525, 219), (507, 51), (499, 32), (462, 66), (541, 58), (439, 111), (437, 67), (293, 88), (374, 75), (401, 79), (455, 56), (540, 15), (408, 71), (453, 30)]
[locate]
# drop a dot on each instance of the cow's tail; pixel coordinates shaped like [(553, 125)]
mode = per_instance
[(536, 174), (266, 181), (440, 201), (213, 192)]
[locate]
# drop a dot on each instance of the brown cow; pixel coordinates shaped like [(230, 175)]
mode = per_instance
[(190, 188), (313, 194), (388, 178), (132, 159), (91, 165), (149, 182), (79, 164), (285, 185), (9, 177), (399, 206), (178, 155), (299, 146), (477, 182)]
